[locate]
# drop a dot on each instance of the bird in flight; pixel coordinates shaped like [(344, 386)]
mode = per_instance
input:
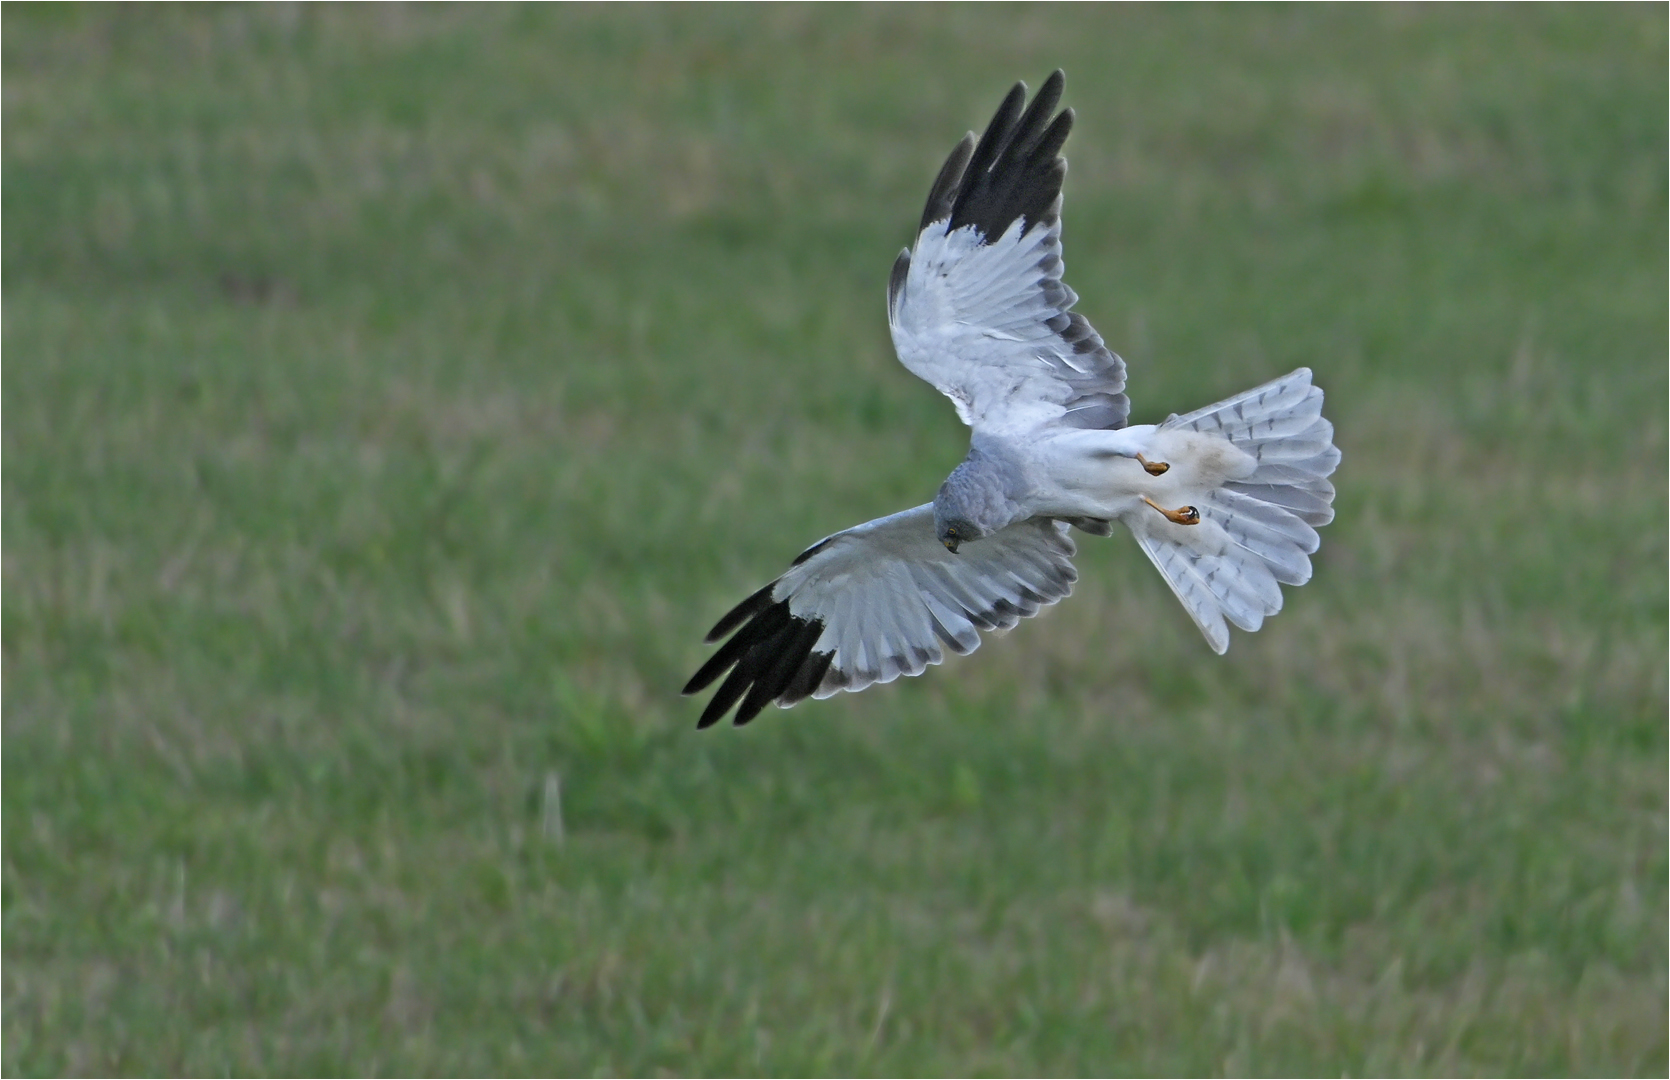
[(1225, 500)]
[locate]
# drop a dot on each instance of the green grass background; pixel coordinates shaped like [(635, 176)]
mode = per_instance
[(394, 395)]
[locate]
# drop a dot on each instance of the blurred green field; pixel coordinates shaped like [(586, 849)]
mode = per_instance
[(394, 395)]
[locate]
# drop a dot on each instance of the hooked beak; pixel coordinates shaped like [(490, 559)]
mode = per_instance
[(951, 543)]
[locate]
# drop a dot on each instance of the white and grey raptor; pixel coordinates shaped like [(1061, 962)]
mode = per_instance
[(1225, 500)]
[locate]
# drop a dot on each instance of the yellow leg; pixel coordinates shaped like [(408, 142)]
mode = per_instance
[(1155, 468), (1186, 516)]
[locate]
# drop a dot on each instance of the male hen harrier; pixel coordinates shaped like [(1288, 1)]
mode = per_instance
[(1225, 500)]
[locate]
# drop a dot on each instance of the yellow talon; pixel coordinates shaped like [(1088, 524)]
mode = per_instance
[(1155, 468), (1186, 516)]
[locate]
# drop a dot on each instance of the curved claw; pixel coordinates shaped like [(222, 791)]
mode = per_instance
[(1186, 516), (1154, 468)]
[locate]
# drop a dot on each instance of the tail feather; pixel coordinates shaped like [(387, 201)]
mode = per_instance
[(1245, 587), (1297, 418), (1256, 533), (1300, 474), (1177, 565), (1312, 505), (1311, 444), (1241, 513), (1279, 397), (1284, 551)]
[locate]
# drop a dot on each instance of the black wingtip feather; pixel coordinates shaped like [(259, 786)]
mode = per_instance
[(998, 130), (768, 658), (940, 196), (821, 544), (733, 618), (1055, 137), (895, 288), (1034, 123), (729, 690), (762, 626), (807, 680), (778, 668), (1016, 170)]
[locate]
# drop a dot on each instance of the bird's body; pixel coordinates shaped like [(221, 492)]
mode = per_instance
[(1224, 500), (1094, 474)]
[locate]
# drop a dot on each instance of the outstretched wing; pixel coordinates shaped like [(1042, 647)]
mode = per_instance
[(978, 308), (873, 603)]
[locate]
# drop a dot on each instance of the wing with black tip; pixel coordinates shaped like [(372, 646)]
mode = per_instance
[(875, 602), (978, 308)]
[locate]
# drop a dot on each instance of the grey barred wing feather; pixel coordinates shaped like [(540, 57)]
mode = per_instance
[(875, 602), (978, 308)]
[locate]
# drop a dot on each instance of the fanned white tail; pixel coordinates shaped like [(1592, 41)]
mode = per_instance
[(1256, 532)]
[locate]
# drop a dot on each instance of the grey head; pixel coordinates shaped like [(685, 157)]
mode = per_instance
[(981, 496)]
